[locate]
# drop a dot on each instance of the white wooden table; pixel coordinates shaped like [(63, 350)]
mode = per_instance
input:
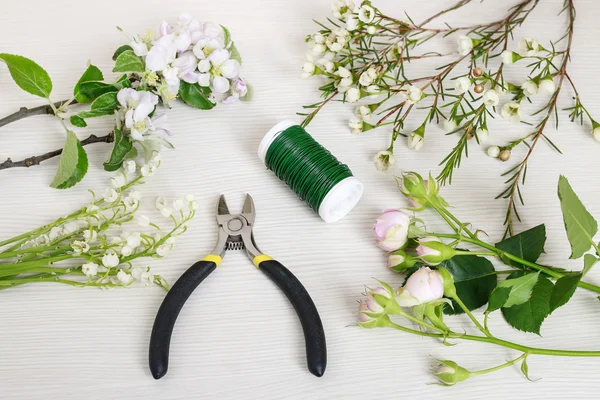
[(238, 337)]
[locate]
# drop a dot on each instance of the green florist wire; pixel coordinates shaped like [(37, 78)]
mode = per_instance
[(90, 247)]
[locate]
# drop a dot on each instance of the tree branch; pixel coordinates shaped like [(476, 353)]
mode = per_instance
[(36, 160), (25, 112)]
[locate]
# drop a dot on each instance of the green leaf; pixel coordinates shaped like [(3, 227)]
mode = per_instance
[(105, 104), (78, 121), (498, 298), (474, 279), (226, 35), (94, 89), (28, 75), (563, 290), (520, 288), (235, 54), (123, 81), (127, 61), (73, 163), (120, 150), (528, 317), (195, 95), (589, 260), (121, 50), (580, 225), (92, 73), (249, 94), (528, 245)]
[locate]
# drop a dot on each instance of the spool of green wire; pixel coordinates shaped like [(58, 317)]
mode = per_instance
[(310, 170)]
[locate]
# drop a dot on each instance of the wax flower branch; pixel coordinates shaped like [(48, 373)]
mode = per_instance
[(444, 278), (100, 244), (363, 54), (196, 62)]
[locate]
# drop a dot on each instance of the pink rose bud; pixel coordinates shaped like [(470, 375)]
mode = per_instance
[(400, 261), (391, 230), (424, 286), (432, 251), (450, 373)]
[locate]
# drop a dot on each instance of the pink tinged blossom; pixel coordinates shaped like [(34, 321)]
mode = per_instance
[(163, 29), (220, 84), (424, 286), (186, 64), (391, 230), (362, 317), (239, 89), (162, 53)]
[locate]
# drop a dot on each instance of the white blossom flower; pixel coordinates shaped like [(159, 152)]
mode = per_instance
[(482, 134), (194, 205), (166, 212), (371, 29), (69, 227), (415, 141), (512, 111), (363, 112), (178, 204), (90, 269), (318, 38), (462, 84), (185, 65), (412, 94), (80, 247), (222, 69), (356, 125), (491, 98), (530, 88), (163, 250), (147, 278), (351, 23), (161, 203), (353, 95), (308, 69), (337, 40), (118, 181), (126, 251), (134, 239), (384, 160), (162, 53), (326, 62), (547, 86), (137, 107), (124, 277), (130, 203), (346, 80), (130, 166), (110, 259), (89, 235), (143, 220), (528, 47), (493, 151), (368, 77), (596, 132), (238, 89), (509, 57), (450, 125), (366, 14), (189, 197), (148, 170), (139, 46), (465, 45)]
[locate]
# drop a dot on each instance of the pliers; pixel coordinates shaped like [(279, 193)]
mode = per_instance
[(235, 233)]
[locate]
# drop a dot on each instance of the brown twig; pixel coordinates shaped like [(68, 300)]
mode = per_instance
[(25, 112), (36, 160)]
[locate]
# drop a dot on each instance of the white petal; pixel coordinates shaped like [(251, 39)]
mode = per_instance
[(204, 80), (218, 57), (220, 84), (182, 41), (230, 69)]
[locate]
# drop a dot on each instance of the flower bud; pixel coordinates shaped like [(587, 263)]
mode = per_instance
[(504, 155), (371, 29), (479, 88), (391, 230), (448, 278), (399, 261), (482, 134), (462, 84), (412, 185), (424, 286), (530, 88), (450, 373), (596, 130), (465, 45), (547, 85), (493, 151), (510, 57), (432, 250), (477, 72), (372, 311)]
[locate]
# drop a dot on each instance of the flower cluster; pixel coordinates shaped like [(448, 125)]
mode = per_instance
[(99, 243), (362, 56)]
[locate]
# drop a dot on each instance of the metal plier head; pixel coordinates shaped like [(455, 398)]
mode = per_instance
[(235, 231)]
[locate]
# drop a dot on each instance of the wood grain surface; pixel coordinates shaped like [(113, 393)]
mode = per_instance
[(237, 337)]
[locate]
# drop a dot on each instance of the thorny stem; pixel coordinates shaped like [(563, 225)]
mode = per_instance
[(36, 160), (520, 172)]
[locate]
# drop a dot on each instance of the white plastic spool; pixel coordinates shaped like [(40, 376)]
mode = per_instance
[(340, 200)]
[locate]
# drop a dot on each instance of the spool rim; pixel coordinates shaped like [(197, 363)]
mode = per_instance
[(270, 136), (341, 199)]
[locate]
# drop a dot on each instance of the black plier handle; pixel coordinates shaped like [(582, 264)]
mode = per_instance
[(314, 334)]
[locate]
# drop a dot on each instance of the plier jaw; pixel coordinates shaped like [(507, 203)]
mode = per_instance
[(235, 230)]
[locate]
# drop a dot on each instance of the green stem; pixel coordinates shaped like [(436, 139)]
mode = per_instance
[(496, 368), (475, 253), (41, 249), (462, 305)]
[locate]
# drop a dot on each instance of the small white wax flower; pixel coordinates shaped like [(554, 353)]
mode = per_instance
[(326, 64), (482, 134), (412, 94), (450, 125), (124, 277), (465, 45), (130, 166), (366, 14), (166, 211), (351, 23), (130, 203), (547, 86), (163, 250), (371, 29), (110, 259), (491, 98), (512, 112), (493, 151), (308, 69), (509, 57), (161, 203), (90, 269), (189, 197), (596, 133), (356, 125), (318, 38), (462, 84), (143, 220), (147, 278), (353, 95), (126, 251), (384, 160), (110, 195), (528, 47), (318, 48), (362, 112), (194, 205), (89, 235), (530, 88), (118, 181), (415, 141), (178, 204)]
